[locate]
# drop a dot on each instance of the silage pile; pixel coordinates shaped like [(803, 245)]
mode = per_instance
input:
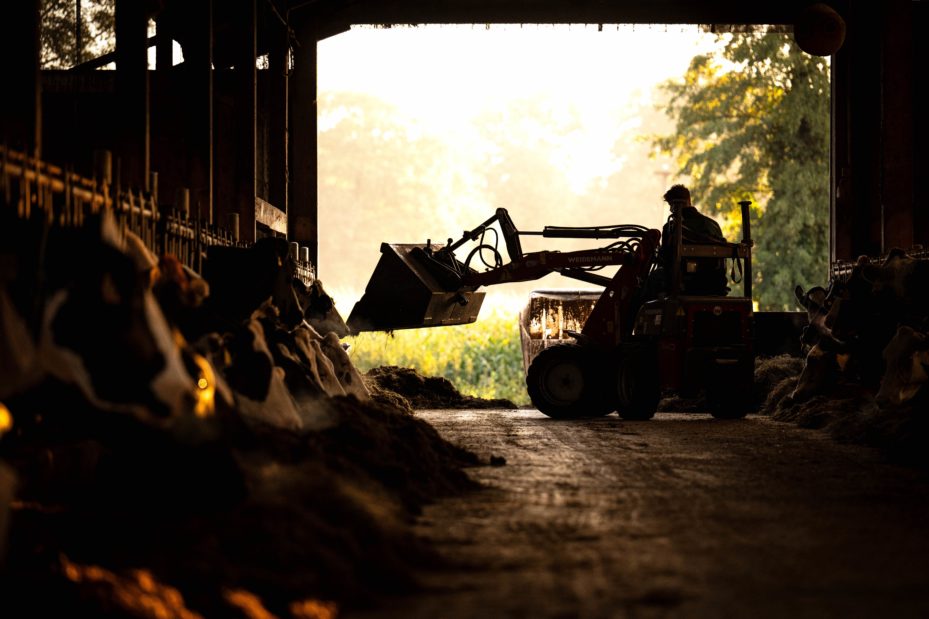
[(407, 388), (279, 498)]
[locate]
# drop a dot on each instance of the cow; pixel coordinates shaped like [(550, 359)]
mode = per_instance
[(180, 292), (314, 364), (822, 306), (852, 323), (242, 278), (906, 361), (826, 356), (271, 384), (104, 333), (319, 308), (18, 369), (347, 374), (822, 369)]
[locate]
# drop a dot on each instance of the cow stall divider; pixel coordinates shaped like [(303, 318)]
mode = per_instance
[(34, 189)]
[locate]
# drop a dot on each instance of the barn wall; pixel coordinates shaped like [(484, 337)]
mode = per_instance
[(878, 152)]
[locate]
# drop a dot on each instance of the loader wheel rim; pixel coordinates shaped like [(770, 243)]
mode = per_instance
[(564, 382)]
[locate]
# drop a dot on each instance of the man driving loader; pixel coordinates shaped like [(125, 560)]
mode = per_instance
[(704, 276)]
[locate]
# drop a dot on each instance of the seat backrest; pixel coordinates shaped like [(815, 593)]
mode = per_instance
[(704, 276)]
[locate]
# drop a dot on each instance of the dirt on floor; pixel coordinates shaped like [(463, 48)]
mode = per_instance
[(680, 516)]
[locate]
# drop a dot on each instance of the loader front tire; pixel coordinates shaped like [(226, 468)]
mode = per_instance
[(637, 386), (563, 383)]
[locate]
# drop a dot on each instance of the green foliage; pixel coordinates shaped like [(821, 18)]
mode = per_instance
[(753, 123), (483, 359)]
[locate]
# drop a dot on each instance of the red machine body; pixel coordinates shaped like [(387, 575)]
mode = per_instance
[(629, 349)]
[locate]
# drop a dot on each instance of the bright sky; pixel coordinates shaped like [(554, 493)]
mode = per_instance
[(446, 72), (445, 75)]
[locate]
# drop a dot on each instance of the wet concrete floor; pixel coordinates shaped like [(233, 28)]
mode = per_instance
[(681, 516)]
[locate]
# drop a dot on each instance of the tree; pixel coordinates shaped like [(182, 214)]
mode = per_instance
[(58, 34), (752, 122), (381, 178)]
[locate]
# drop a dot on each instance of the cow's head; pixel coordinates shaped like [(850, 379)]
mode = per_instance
[(820, 371), (906, 367), (242, 279), (274, 253), (105, 333), (319, 308), (823, 306)]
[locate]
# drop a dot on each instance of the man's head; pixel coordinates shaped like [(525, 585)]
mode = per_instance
[(678, 192)]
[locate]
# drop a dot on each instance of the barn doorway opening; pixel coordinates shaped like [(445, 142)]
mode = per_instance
[(424, 131)]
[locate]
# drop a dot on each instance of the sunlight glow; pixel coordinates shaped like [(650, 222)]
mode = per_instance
[(591, 95)]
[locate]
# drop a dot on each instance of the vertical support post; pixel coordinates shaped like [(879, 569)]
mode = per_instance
[(132, 90), (747, 240), (302, 220), (858, 216), (278, 61), (182, 202), (232, 225), (198, 61), (78, 34), (917, 64), (164, 50), (246, 79), (897, 123), (677, 221), (21, 103)]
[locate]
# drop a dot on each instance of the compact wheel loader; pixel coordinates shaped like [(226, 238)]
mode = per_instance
[(630, 349)]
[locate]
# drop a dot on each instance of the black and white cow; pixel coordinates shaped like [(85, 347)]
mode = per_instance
[(104, 333), (319, 308)]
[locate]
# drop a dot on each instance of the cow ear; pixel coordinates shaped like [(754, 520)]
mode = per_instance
[(798, 292)]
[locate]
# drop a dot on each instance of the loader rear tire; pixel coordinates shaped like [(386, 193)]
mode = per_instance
[(564, 382), (637, 385)]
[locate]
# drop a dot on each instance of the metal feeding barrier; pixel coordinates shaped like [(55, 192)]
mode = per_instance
[(36, 189), (841, 270)]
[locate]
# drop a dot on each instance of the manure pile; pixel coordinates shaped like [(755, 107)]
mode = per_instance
[(407, 388)]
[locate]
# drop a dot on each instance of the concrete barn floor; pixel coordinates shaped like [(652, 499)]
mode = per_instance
[(681, 516)]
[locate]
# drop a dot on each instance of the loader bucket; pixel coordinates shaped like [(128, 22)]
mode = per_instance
[(404, 294)]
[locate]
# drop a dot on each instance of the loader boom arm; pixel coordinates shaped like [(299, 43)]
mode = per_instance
[(427, 285)]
